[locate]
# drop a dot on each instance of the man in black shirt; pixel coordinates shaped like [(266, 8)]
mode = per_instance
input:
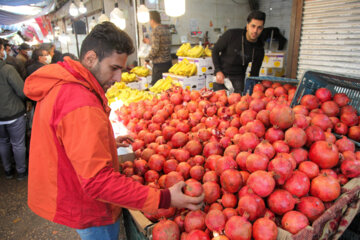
[(235, 49)]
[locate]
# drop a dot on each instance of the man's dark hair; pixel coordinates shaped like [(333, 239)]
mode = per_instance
[(258, 15), (36, 54), (155, 15), (104, 39)]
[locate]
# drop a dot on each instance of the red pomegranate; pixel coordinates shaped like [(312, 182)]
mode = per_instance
[(261, 182), (311, 169), (156, 162), (210, 176), (223, 164), (215, 220), (264, 229), (310, 101), (194, 147), (344, 144), (314, 133), (212, 192), (281, 168), (179, 139), (170, 165), (341, 99), (301, 121), (173, 178), (266, 149), (300, 109), (247, 116), (194, 220), (330, 108), (228, 200), (324, 154), (322, 121), (232, 151), (273, 134), (349, 118), (325, 187), (299, 154), (354, 133), (248, 141), (212, 148), (311, 206), (294, 221), (281, 201), (341, 128), (251, 206), (295, 137), (166, 229), (282, 117), (197, 235), (280, 146), (323, 94), (256, 162), (231, 180), (298, 184), (238, 228), (193, 188), (197, 172), (350, 168)]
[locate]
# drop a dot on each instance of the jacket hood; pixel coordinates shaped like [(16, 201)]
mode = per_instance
[(42, 81)]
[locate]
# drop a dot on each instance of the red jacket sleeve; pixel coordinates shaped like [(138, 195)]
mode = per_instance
[(89, 143)]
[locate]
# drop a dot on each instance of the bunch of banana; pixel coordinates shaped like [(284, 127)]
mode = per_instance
[(183, 49), (114, 91), (164, 84), (134, 95), (128, 77), (140, 71), (195, 52), (207, 52), (183, 68)]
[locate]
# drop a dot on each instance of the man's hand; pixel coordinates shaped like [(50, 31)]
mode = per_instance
[(146, 40), (220, 77), (123, 141), (180, 200)]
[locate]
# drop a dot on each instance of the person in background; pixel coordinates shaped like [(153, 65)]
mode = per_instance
[(39, 58), (74, 176), (160, 47), (24, 55), (10, 59), (235, 49), (12, 119)]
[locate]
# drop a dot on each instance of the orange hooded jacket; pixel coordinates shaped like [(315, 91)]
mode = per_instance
[(74, 176)]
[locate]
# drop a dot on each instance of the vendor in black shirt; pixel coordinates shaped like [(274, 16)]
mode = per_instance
[(235, 49)]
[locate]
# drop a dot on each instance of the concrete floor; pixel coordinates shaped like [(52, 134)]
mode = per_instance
[(18, 222)]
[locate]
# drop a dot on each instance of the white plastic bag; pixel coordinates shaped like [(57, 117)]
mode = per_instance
[(228, 85), (144, 50)]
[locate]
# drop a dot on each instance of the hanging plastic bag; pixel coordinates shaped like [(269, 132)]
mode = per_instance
[(228, 85), (144, 50)]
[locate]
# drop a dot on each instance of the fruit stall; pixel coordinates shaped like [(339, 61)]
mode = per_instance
[(280, 161)]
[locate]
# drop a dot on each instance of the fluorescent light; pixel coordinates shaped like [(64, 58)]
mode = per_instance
[(174, 8), (143, 14), (73, 10), (82, 8), (117, 17)]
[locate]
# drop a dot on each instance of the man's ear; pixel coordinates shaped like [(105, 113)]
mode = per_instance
[(90, 59)]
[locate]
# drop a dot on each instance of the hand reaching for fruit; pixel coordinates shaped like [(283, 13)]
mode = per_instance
[(123, 141)]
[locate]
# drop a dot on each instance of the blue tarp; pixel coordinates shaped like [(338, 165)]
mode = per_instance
[(19, 2)]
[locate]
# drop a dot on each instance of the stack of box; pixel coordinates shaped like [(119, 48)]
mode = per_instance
[(273, 65), (142, 83), (205, 67)]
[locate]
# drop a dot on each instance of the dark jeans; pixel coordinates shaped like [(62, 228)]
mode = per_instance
[(237, 82), (106, 232), (158, 70), (12, 141)]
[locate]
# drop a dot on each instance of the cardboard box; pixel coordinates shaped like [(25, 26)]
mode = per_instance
[(144, 82), (134, 85), (273, 60), (209, 81), (276, 72), (204, 65), (190, 83)]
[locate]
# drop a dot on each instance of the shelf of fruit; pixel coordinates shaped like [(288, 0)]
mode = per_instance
[(264, 167)]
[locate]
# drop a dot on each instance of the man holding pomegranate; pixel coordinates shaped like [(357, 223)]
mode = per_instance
[(235, 49), (74, 176)]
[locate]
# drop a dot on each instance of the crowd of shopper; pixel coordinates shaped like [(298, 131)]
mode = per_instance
[(16, 111)]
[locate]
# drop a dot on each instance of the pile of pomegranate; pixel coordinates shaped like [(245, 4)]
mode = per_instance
[(260, 163)]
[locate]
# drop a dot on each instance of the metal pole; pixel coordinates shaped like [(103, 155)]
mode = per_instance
[(136, 31), (76, 38)]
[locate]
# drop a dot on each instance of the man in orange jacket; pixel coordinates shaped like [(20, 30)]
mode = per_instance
[(74, 176)]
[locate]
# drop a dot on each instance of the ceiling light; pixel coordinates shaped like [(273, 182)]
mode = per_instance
[(73, 9), (174, 8), (143, 14), (117, 17), (82, 8), (103, 17)]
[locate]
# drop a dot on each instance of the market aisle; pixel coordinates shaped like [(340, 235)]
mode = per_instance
[(18, 222)]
